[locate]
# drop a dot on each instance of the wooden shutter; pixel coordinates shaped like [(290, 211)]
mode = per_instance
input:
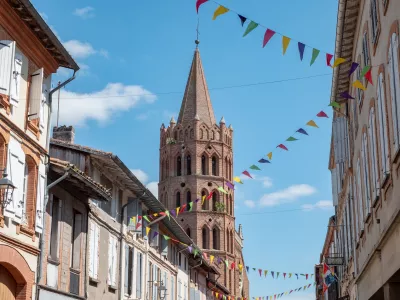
[(41, 190), (36, 94), (334, 190), (139, 276), (373, 154), (43, 103), (110, 259), (115, 260), (393, 86), (360, 196), (7, 51), (16, 80), (355, 207), (96, 251), (383, 135), (126, 279), (367, 185), (92, 254)]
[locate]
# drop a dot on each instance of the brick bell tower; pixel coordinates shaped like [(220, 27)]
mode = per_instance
[(196, 157)]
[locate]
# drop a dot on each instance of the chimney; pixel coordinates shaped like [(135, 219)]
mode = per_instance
[(64, 133)]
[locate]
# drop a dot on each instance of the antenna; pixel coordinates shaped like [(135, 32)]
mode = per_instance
[(58, 105), (197, 41)]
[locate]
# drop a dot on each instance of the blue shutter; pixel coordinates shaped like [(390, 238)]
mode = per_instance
[(126, 269), (139, 276), (192, 294)]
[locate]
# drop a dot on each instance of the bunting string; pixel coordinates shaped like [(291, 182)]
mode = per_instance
[(283, 275), (280, 295)]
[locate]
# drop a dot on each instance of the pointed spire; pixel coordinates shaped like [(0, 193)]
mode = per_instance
[(230, 127), (172, 121), (196, 100), (222, 120)]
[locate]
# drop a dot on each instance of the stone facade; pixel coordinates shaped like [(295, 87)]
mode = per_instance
[(196, 157)]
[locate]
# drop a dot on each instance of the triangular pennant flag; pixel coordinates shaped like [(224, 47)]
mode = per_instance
[(167, 213), (190, 206), (301, 49), (198, 3), (277, 274), (264, 161), (259, 271), (155, 234), (265, 273), (284, 275), (190, 249), (240, 267), (267, 36), (269, 155), (353, 67), (166, 237), (297, 275), (254, 167), (226, 263), (147, 230), (221, 189), (233, 265), (219, 11), (254, 269), (146, 218), (237, 179), (247, 269), (359, 85), (216, 295), (346, 95), (338, 61), (364, 71), (195, 252), (315, 53), (209, 196), (282, 147), (211, 259), (306, 276), (247, 174), (272, 273), (242, 19), (177, 210), (182, 208), (285, 43), (302, 131), (334, 104), (290, 275), (322, 114), (368, 76), (252, 25), (197, 200), (312, 124), (205, 255), (309, 285), (328, 59), (290, 291), (291, 139), (173, 212), (229, 185)]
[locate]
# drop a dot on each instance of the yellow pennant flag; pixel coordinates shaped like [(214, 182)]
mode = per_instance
[(237, 179), (240, 267), (216, 295), (338, 61), (155, 215), (211, 258), (203, 199), (359, 85), (265, 273), (220, 11), (133, 221), (285, 43), (147, 230), (269, 155), (177, 211), (290, 275), (312, 124)]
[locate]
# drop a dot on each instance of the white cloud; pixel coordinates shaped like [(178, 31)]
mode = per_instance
[(101, 106), (323, 204), (79, 49), (153, 188), (142, 116), (141, 175), (250, 203), (290, 194), (103, 53), (84, 12), (266, 181)]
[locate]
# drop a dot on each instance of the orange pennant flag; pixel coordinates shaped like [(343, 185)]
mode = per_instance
[(269, 155), (312, 124), (219, 11), (285, 43)]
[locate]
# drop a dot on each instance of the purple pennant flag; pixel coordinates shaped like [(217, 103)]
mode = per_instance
[(173, 212), (346, 95), (197, 200), (230, 185), (218, 260), (155, 234), (264, 161), (301, 50), (190, 249), (297, 275), (272, 273), (301, 130), (242, 19), (353, 67)]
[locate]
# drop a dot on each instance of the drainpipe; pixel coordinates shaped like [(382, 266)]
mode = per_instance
[(46, 196)]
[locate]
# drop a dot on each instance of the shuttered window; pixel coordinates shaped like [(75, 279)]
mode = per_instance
[(360, 197), (366, 175), (36, 95), (7, 51), (373, 154), (112, 261), (41, 191), (94, 239), (394, 87), (54, 233), (172, 288), (355, 206), (139, 274), (383, 133), (16, 80), (374, 20), (128, 270)]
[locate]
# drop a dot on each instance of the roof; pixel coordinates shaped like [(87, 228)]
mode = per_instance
[(346, 26), (29, 15), (196, 100), (80, 180), (113, 163)]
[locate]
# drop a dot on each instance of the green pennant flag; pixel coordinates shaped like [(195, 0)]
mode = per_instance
[(190, 206), (315, 53), (195, 252), (167, 213), (252, 25), (146, 218), (291, 139), (166, 237), (277, 274), (334, 104), (254, 167), (221, 189), (226, 263), (364, 71)]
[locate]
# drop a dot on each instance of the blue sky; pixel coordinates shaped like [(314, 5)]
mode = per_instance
[(144, 48)]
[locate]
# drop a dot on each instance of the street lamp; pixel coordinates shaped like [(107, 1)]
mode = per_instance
[(162, 291), (6, 190)]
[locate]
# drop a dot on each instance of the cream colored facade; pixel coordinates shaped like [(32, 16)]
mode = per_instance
[(365, 151)]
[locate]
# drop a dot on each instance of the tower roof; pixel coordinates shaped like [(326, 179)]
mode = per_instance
[(196, 100)]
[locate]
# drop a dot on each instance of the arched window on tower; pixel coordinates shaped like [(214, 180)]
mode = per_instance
[(201, 134), (214, 201), (176, 135), (212, 135), (186, 135), (204, 205), (191, 134), (227, 241), (178, 199), (214, 166), (178, 166), (204, 235), (188, 197), (203, 165), (188, 165), (230, 205), (167, 169), (215, 238), (188, 232), (226, 168)]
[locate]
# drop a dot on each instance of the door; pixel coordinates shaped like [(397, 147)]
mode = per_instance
[(8, 286)]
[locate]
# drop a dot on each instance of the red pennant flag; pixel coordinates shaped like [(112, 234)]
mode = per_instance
[(247, 174), (183, 208), (291, 291), (282, 146), (267, 36), (209, 196), (259, 271), (198, 3), (368, 76), (306, 276), (328, 59), (162, 213), (232, 265), (284, 275), (321, 114)]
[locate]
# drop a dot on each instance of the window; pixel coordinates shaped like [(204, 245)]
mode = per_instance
[(178, 166), (226, 168), (204, 237), (365, 167), (365, 50), (128, 270), (7, 50), (164, 246), (374, 20), (172, 288), (188, 165), (37, 96), (180, 259), (188, 197), (214, 165), (204, 201), (394, 83), (383, 135), (214, 201), (228, 244), (167, 169), (373, 154), (178, 199), (25, 194), (215, 239), (76, 241), (203, 165), (188, 232), (94, 239), (112, 261), (185, 266), (201, 134), (133, 211), (54, 233), (230, 205), (139, 274), (16, 80)]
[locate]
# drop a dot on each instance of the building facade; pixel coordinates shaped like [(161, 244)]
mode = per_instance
[(29, 55), (364, 158), (196, 157)]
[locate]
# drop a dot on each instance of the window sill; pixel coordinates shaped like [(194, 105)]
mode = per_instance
[(5, 103), (26, 231), (33, 127), (76, 271), (94, 280), (113, 288), (53, 261)]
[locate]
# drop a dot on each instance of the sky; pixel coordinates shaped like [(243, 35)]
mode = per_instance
[(135, 58)]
